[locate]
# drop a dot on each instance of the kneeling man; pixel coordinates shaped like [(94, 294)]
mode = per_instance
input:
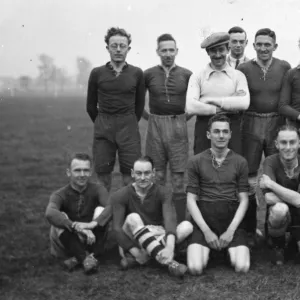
[(79, 215), (280, 184), (144, 220), (217, 199)]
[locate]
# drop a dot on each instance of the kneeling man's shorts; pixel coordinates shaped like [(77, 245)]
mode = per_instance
[(218, 215)]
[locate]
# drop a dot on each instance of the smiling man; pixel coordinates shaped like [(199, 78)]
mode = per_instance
[(144, 221), (79, 215), (265, 76), (280, 184), (115, 103), (237, 44), (167, 136), (218, 88), (217, 199)]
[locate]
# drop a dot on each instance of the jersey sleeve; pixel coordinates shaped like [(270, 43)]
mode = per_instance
[(193, 177), (243, 185), (268, 169)]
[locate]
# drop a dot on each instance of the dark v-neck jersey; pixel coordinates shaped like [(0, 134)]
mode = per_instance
[(264, 91), (274, 168), (113, 94), (217, 184), (156, 209)]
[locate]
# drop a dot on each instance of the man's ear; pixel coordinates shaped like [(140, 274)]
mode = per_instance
[(154, 171), (128, 49), (132, 173), (68, 172), (276, 144), (275, 46), (208, 134)]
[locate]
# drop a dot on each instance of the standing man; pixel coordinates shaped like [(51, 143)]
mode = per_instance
[(167, 136), (217, 199), (280, 184), (115, 103), (144, 220), (218, 88), (78, 214), (289, 104), (265, 76), (237, 44)]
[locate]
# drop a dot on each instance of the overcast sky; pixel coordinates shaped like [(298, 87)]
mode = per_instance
[(65, 29)]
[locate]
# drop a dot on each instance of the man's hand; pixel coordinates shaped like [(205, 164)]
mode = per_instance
[(264, 182), (90, 237), (212, 240), (79, 226), (216, 102), (226, 238), (166, 255)]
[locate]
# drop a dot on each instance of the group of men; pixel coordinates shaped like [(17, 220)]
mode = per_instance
[(241, 106)]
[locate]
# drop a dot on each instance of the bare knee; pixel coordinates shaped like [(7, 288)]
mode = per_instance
[(240, 259), (133, 221), (104, 179), (184, 229), (160, 177), (197, 258), (178, 182)]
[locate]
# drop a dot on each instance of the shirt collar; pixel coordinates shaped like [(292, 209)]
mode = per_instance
[(232, 59), (76, 191), (165, 69), (227, 70), (110, 66)]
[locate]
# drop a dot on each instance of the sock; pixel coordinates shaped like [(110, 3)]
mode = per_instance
[(147, 241)]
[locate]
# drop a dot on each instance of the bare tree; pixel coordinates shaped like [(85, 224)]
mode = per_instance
[(84, 68), (47, 70)]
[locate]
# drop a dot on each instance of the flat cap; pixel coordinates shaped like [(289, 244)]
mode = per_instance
[(215, 39)]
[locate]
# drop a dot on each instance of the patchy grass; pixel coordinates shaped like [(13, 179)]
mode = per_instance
[(35, 137)]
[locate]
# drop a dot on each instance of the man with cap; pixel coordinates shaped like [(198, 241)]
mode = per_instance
[(237, 44), (218, 88), (265, 77), (167, 135)]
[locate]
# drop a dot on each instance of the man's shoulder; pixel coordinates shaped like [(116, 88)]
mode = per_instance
[(183, 70), (135, 69), (272, 160), (121, 193), (238, 158), (282, 63), (197, 157), (62, 192), (246, 66)]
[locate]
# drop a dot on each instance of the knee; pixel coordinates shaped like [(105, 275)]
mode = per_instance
[(278, 213), (133, 220), (186, 227), (194, 269), (160, 177), (242, 267)]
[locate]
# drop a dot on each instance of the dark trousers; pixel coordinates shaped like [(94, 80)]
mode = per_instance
[(202, 143), (77, 248)]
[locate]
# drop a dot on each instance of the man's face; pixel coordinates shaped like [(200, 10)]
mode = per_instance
[(264, 46), (143, 174), (219, 135), (167, 52), (238, 43), (79, 172), (118, 48), (218, 55), (287, 143)]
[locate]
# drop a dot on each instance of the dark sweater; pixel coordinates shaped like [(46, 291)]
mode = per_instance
[(78, 206), (167, 93), (156, 209), (116, 95), (264, 92), (221, 184), (289, 104)]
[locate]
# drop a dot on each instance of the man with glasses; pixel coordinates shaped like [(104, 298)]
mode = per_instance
[(115, 103)]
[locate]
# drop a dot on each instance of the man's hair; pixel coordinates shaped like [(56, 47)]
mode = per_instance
[(165, 37), (266, 31), (79, 156), (287, 127), (117, 31), (218, 118), (145, 158), (237, 29)]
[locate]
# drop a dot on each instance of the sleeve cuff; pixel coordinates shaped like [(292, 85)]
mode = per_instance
[(191, 189)]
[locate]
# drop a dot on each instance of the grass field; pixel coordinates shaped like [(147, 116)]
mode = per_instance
[(36, 134)]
